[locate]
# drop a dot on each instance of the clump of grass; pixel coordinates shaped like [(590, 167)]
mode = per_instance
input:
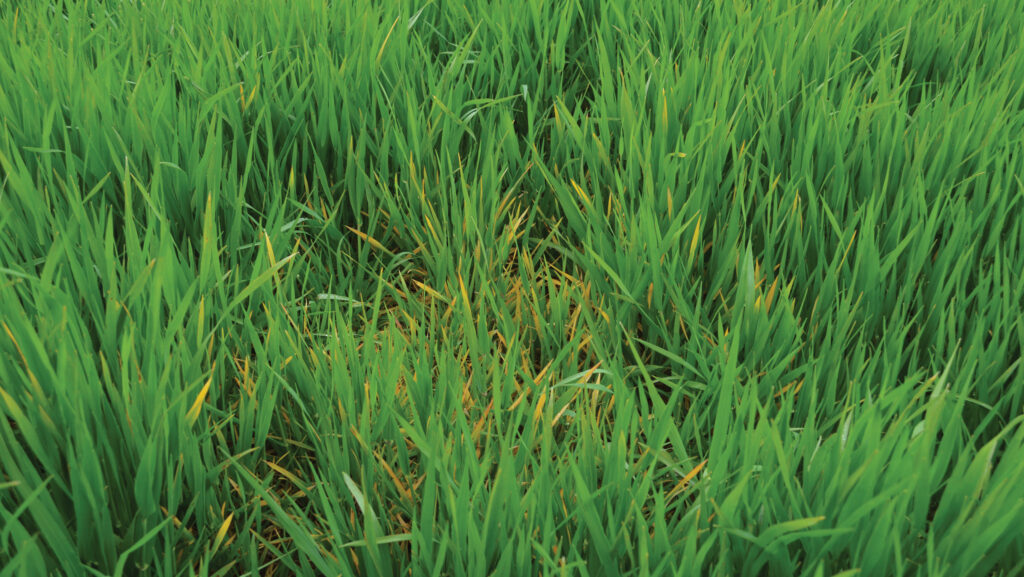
[(511, 288)]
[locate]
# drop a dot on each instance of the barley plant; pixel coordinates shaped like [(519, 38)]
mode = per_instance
[(511, 287)]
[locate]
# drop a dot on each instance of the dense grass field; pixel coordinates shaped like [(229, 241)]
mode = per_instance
[(511, 287)]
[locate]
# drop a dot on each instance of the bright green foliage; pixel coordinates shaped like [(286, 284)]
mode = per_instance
[(511, 287)]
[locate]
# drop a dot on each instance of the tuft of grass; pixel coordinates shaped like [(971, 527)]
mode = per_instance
[(458, 288)]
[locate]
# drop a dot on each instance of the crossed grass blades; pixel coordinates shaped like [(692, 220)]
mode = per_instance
[(522, 287)]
